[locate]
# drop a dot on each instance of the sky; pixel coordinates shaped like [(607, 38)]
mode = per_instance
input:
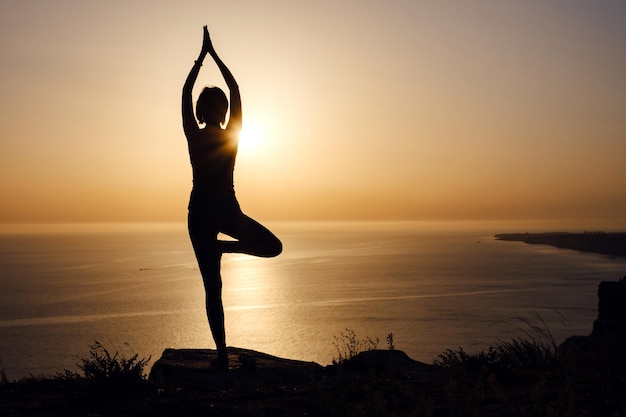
[(353, 110)]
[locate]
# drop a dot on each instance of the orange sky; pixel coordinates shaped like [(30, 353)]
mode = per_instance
[(365, 110)]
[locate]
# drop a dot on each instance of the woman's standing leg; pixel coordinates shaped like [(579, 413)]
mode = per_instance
[(205, 247)]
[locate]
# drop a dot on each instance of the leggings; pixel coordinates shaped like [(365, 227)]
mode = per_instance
[(205, 220)]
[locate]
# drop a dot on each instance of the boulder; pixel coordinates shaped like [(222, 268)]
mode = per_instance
[(178, 368)]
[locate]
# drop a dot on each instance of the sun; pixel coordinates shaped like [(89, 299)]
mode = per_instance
[(251, 136)]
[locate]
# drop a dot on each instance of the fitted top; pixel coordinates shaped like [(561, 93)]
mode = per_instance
[(213, 151)]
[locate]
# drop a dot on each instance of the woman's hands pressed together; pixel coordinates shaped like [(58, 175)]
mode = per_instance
[(207, 45)]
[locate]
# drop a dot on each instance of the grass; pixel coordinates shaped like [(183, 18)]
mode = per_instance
[(348, 345), (533, 350), (531, 375), (528, 375)]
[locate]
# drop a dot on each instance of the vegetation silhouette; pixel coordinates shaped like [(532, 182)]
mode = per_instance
[(213, 207), (528, 376)]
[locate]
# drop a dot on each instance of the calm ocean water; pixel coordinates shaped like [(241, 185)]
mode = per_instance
[(138, 289)]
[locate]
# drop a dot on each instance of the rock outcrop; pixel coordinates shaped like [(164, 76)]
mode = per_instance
[(609, 329), (612, 244), (191, 368), (258, 383), (611, 321)]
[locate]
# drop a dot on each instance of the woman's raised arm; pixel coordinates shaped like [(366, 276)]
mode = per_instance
[(235, 119), (189, 119)]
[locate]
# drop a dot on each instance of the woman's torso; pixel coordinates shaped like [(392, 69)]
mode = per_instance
[(212, 152)]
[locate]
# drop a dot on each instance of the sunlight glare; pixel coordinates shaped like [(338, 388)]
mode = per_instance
[(251, 136)]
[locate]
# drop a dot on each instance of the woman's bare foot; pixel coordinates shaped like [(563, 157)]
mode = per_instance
[(220, 363)]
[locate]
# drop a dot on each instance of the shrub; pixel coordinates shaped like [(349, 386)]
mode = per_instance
[(110, 373)]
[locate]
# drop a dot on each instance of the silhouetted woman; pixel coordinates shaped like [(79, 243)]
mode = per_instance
[(213, 207)]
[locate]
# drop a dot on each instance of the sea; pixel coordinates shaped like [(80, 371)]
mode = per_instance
[(432, 286)]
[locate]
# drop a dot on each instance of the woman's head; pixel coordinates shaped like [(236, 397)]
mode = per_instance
[(212, 106)]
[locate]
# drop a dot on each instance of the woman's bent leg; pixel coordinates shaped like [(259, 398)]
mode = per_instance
[(252, 238)]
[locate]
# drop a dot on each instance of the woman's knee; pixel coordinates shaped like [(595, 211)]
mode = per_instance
[(258, 238), (278, 247), (271, 247)]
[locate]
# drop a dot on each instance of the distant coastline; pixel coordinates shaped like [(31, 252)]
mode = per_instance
[(613, 244)]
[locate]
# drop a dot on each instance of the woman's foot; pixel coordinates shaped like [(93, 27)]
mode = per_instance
[(220, 363), (222, 247)]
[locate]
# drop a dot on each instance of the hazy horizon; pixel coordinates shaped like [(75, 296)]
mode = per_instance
[(484, 228), (428, 111)]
